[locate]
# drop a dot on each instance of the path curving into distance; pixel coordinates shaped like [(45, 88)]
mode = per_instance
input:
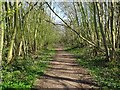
[(64, 72)]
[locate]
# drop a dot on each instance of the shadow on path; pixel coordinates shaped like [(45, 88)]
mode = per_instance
[(69, 79), (64, 72)]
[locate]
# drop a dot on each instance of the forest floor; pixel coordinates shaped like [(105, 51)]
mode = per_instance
[(64, 72)]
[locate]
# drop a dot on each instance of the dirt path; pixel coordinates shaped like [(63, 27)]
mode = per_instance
[(65, 73)]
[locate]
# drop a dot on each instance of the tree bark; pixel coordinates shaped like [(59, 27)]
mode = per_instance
[(1, 39), (95, 26), (102, 32), (80, 36), (10, 53), (112, 31), (1, 34)]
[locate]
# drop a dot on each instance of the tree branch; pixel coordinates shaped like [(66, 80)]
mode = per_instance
[(91, 43), (30, 10)]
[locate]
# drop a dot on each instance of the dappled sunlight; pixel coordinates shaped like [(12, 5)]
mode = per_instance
[(60, 44), (64, 69)]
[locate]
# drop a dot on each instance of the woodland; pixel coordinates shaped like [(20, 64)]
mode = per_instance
[(30, 34)]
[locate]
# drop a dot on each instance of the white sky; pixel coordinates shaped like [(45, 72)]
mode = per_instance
[(59, 12)]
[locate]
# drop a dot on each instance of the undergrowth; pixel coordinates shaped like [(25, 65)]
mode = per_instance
[(107, 74), (23, 71)]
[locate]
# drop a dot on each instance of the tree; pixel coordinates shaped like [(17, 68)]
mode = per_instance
[(1, 33), (16, 24)]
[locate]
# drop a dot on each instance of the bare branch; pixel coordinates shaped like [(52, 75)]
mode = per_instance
[(70, 26)]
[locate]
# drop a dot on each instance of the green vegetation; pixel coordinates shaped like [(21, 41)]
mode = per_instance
[(28, 28), (22, 72), (25, 36), (106, 74)]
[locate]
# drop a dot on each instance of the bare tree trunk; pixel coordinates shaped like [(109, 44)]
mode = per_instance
[(10, 53), (20, 48), (118, 25), (95, 25), (7, 23), (102, 32), (1, 39), (76, 15), (112, 31), (75, 37)]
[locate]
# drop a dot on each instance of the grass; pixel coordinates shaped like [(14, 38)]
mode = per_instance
[(22, 72), (105, 73)]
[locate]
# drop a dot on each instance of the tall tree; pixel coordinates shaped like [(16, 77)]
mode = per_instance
[(1, 32), (95, 26), (16, 24), (112, 31)]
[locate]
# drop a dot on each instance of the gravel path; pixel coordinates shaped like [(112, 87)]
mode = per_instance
[(65, 73)]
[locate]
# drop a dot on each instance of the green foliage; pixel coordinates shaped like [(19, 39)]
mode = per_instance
[(105, 73), (22, 72)]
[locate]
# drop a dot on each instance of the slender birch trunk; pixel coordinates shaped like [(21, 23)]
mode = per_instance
[(101, 30), (1, 39), (1, 33), (95, 25), (10, 53), (112, 31)]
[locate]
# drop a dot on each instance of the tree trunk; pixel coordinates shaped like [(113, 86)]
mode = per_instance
[(1, 33), (95, 25), (102, 32), (1, 39), (10, 53), (112, 31)]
